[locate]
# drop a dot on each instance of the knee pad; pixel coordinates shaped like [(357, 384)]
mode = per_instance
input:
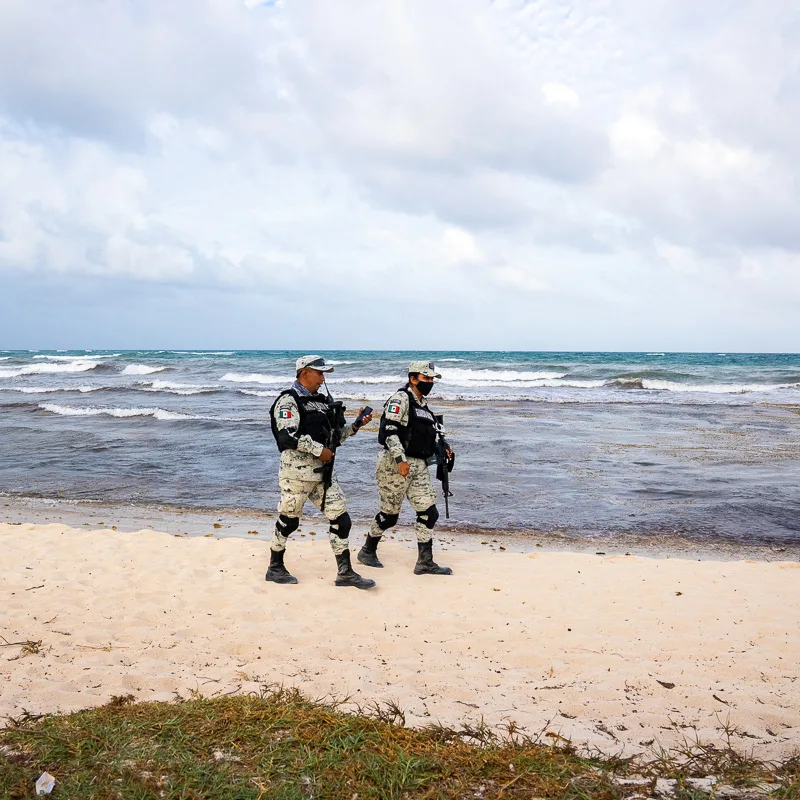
[(386, 521), (287, 525), (428, 517), (341, 525)]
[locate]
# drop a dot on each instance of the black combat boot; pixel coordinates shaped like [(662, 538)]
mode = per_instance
[(345, 575), (425, 564), (368, 554), (277, 573)]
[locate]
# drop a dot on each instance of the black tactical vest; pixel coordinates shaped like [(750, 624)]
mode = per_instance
[(419, 436), (315, 417)]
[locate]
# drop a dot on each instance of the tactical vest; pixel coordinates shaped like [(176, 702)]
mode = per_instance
[(315, 418), (419, 436)]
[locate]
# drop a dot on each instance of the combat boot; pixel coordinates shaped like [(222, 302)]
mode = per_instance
[(276, 572), (368, 554), (345, 575), (425, 564)]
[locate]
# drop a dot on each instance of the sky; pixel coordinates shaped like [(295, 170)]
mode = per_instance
[(425, 174)]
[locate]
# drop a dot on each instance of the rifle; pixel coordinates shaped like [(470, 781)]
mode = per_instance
[(337, 422), (444, 463)]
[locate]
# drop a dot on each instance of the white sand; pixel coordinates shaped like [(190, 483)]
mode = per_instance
[(571, 644)]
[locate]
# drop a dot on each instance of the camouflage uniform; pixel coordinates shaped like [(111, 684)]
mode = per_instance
[(302, 419), (408, 432), (300, 476), (393, 487)]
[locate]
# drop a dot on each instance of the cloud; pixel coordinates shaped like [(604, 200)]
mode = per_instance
[(601, 158)]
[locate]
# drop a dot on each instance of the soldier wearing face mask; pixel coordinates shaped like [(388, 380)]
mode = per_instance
[(408, 435)]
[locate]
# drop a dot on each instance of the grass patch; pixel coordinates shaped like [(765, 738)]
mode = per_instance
[(280, 745)]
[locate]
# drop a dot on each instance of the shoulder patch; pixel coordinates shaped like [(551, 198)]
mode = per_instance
[(285, 413), (393, 408)]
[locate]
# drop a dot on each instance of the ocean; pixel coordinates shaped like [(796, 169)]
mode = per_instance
[(699, 445)]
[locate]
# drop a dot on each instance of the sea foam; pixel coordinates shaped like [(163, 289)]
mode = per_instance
[(176, 388), (79, 358), (716, 388), (255, 377), (47, 368), (141, 369), (494, 377), (51, 389), (94, 411)]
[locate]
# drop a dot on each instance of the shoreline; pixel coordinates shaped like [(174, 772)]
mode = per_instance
[(240, 522), (614, 652)]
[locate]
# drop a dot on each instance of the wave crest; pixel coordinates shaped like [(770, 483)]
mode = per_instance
[(254, 377), (176, 388), (141, 369), (96, 411), (716, 388), (51, 389), (47, 368), (495, 377)]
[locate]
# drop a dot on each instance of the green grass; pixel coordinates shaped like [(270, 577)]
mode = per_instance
[(281, 745)]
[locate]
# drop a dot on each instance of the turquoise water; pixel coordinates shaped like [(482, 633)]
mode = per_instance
[(705, 445)]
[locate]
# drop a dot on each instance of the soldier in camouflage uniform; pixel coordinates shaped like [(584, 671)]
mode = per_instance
[(304, 422), (408, 435)]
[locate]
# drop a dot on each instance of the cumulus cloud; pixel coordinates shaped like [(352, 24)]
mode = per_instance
[(502, 155)]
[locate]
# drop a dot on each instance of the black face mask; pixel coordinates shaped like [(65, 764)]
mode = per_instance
[(425, 388)]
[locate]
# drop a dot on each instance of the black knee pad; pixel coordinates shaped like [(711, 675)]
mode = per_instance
[(428, 517), (287, 525), (341, 525), (386, 521)]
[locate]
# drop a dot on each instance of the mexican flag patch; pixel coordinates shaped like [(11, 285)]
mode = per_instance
[(393, 408), (285, 413)]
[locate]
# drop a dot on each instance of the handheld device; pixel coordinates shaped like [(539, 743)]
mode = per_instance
[(359, 420)]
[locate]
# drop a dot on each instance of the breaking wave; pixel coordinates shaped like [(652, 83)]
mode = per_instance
[(47, 368), (80, 358), (176, 388), (95, 411), (716, 388), (255, 377), (390, 379), (141, 369), (495, 377), (51, 389)]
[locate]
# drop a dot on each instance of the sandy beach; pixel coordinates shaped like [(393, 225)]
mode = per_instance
[(618, 652)]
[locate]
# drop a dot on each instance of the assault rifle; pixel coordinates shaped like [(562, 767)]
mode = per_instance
[(336, 422), (444, 463)]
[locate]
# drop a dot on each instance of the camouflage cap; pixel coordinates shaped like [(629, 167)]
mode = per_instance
[(312, 362), (425, 368)]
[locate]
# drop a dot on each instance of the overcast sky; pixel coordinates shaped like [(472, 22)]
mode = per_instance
[(434, 174)]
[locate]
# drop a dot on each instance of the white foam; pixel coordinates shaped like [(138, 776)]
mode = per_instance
[(255, 393), (79, 358), (254, 377), (51, 389), (46, 368), (494, 377), (716, 388), (175, 388), (551, 383), (654, 354), (141, 369), (94, 411), (392, 379), (340, 363)]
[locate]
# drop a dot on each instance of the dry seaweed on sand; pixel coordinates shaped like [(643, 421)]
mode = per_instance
[(277, 744)]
